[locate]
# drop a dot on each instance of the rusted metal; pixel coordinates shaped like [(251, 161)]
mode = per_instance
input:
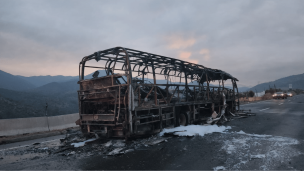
[(122, 105)]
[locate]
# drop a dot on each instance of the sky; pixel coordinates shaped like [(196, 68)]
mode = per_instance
[(255, 41)]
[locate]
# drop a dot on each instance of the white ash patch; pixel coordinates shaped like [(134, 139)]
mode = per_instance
[(193, 130), (263, 152), (219, 168), (230, 149)]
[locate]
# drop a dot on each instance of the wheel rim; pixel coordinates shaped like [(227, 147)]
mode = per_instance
[(182, 120)]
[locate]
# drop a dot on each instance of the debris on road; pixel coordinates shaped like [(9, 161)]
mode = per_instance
[(45, 148), (108, 147), (156, 141), (62, 150), (79, 144), (119, 143), (129, 150), (214, 115), (108, 144), (258, 156), (116, 151), (71, 153), (34, 158)]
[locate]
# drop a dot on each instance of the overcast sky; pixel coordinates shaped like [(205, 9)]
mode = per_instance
[(255, 41)]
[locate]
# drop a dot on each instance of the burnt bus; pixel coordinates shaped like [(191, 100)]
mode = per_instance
[(142, 93)]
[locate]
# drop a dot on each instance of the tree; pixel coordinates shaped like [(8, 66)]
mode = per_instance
[(271, 91), (251, 93)]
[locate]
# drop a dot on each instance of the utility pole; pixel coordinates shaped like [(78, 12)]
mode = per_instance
[(47, 118), (256, 94)]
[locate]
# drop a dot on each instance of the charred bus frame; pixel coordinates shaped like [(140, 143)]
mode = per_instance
[(120, 105)]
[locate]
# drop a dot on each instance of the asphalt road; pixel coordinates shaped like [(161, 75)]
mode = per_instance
[(271, 140), (21, 144)]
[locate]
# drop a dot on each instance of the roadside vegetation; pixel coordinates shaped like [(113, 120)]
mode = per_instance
[(16, 104), (250, 95)]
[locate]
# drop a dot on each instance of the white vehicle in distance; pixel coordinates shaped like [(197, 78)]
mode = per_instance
[(279, 95)]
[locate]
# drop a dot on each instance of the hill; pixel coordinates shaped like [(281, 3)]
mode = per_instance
[(31, 101), (42, 80), (21, 83), (297, 82), (38, 81), (15, 104), (56, 88), (9, 81)]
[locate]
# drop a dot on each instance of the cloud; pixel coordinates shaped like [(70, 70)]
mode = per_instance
[(26, 57), (177, 42), (254, 40), (185, 56), (205, 54)]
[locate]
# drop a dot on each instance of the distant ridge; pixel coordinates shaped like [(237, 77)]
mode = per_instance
[(11, 82), (55, 88), (297, 82), (42, 80), (21, 83)]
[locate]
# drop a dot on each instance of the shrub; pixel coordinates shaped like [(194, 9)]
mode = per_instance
[(267, 96), (251, 93)]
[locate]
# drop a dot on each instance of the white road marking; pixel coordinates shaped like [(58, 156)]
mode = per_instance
[(252, 103), (264, 109), (27, 145), (281, 103)]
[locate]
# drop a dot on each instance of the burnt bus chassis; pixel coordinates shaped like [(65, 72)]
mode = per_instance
[(111, 107)]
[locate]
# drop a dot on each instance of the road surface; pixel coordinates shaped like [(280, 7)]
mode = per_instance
[(271, 140)]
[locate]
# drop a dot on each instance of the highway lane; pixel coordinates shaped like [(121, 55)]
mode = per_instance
[(278, 117), (271, 140)]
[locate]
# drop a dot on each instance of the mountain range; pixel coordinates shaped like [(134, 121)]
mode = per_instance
[(297, 82), (27, 96), (9, 81)]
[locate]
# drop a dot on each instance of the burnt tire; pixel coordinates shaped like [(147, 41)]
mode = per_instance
[(183, 119)]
